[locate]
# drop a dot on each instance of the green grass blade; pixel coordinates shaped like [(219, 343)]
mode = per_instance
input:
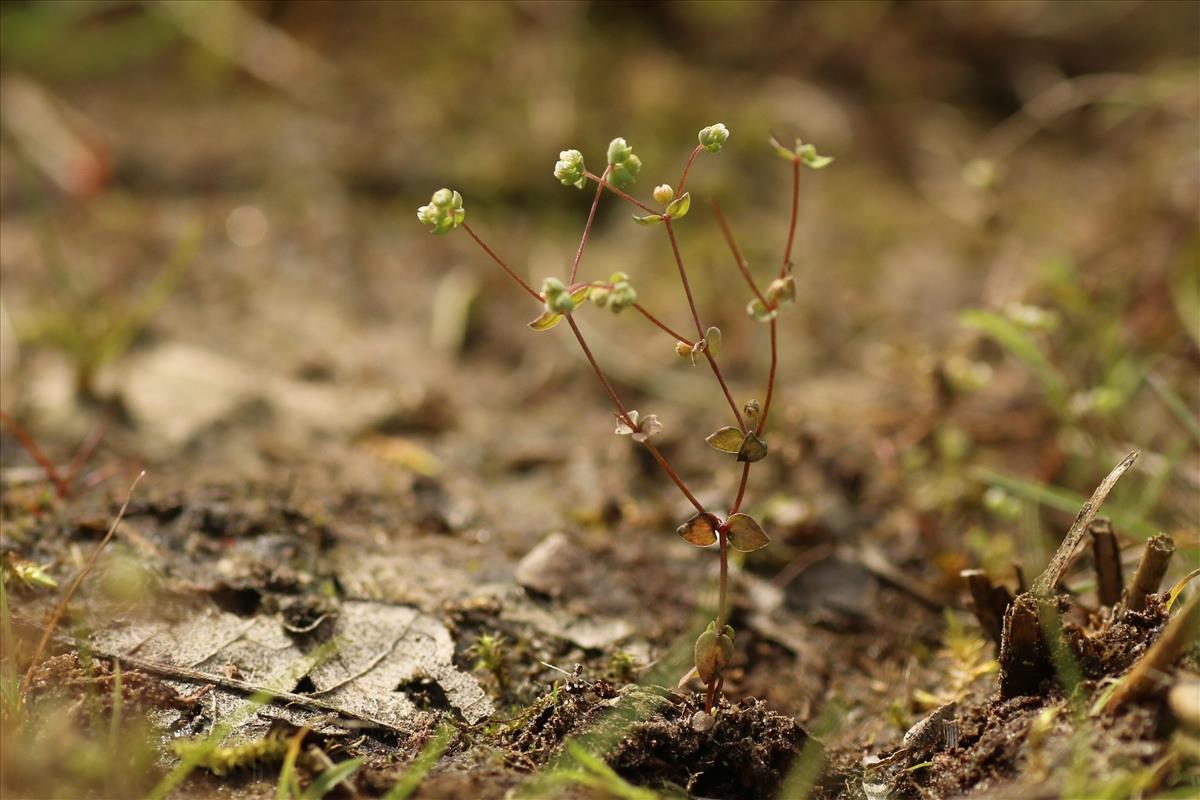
[(420, 766), (1017, 341), (331, 778)]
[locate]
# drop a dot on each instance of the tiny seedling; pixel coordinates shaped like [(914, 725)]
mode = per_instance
[(560, 299), (488, 652)]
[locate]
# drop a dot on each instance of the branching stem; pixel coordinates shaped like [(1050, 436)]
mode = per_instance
[(503, 266), (587, 229), (687, 290)]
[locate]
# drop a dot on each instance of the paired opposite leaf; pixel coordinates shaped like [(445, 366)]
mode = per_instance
[(727, 440), (752, 449), (700, 530), (648, 220), (679, 206), (745, 534)]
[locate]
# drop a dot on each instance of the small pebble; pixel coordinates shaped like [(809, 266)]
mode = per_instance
[(702, 722)]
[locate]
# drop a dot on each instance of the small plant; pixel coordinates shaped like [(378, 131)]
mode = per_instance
[(560, 299), (488, 652)]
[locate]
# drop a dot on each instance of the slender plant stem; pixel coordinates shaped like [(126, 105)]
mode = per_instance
[(503, 266), (30, 446), (687, 168), (662, 461), (723, 538), (674, 476), (741, 492), (612, 393), (662, 326), (787, 253), (687, 290), (627, 198), (737, 254), (588, 228), (762, 419)]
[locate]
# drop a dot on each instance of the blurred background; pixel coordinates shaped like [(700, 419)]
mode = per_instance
[(211, 265), (207, 225)]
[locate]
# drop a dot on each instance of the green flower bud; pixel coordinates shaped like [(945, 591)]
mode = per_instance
[(600, 295), (713, 137), (444, 213), (664, 193), (623, 294), (570, 170), (625, 165)]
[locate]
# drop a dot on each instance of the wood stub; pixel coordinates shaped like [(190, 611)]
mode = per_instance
[(1024, 657), (989, 602), (1150, 671), (1150, 570), (1107, 557)]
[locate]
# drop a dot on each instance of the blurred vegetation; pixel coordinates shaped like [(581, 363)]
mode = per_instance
[(999, 286)]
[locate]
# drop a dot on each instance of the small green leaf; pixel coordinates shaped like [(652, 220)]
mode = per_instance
[(546, 321), (712, 337), (727, 440), (680, 205), (786, 153), (808, 156), (752, 449), (700, 530), (745, 534), (580, 294), (648, 220)]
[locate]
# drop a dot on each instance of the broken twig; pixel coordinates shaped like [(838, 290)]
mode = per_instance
[(1150, 571), (1044, 585), (1107, 557)]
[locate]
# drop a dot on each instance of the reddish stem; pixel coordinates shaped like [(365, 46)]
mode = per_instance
[(674, 476), (687, 168), (787, 253), (762, 420), (737, 254), (661, 326), (723, 539), (588, 228), (503, 266), (741, 492), (30, 446), (687, 290), (627, 198), (662, 461)]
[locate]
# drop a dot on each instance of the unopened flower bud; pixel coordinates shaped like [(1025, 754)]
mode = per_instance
[(570, 169), (664, 193), (444, 212), (625, 166), (713, 137)]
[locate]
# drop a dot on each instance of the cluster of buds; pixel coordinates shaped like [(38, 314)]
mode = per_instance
[(623, 166), (713, 137), (617, 296), (781, 292), (570, 170), (444, 213)]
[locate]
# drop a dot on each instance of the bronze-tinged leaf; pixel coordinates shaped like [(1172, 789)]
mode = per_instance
[(752, 449), (700, 530), (745, 534), (727, 440), (546, 321)]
